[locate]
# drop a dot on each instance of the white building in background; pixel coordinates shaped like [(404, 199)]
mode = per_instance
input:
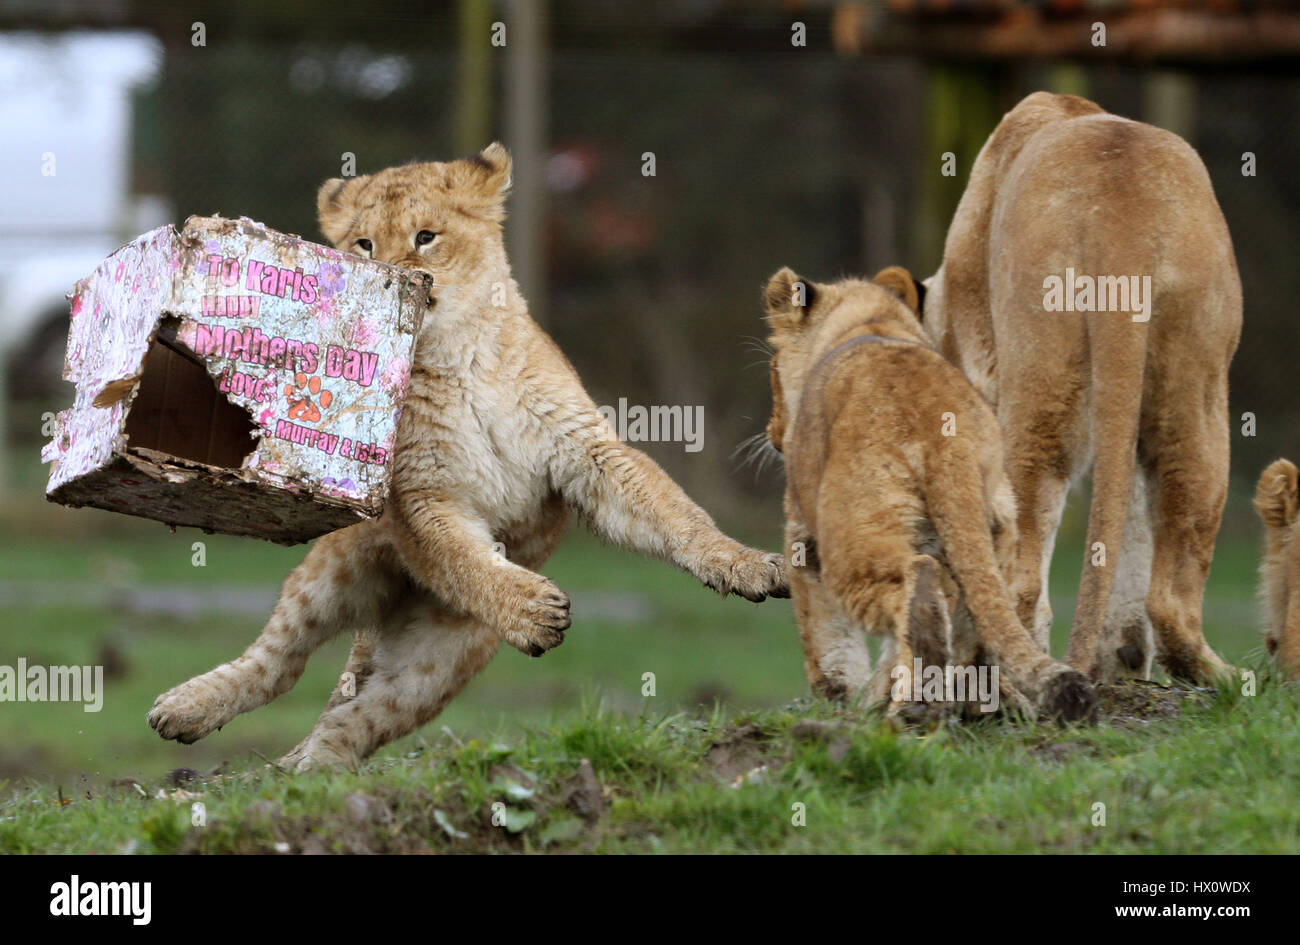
[(65, 150)]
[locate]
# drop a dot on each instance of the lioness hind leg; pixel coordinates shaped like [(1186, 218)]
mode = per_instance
[(1128, 645), (1188, 476), (403, 676), (1040, 502), (1040, 459)]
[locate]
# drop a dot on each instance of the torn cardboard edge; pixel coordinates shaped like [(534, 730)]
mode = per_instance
[(292, 397), (175, 408)]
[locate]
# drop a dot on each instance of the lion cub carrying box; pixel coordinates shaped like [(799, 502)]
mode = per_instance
[(896, 503)]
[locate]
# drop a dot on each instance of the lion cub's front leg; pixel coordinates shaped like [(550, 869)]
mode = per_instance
[(449, 551), (630, 501)]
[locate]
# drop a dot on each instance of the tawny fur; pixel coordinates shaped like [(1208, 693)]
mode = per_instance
[(897, 507), (1277, 499), (1061, 183), (497, 442)]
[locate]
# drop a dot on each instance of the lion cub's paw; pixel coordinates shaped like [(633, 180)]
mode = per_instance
[(1067, 697), (189, 711), (1010, 699), (922, 715), (311, 755), (536, 616), (748, 573)]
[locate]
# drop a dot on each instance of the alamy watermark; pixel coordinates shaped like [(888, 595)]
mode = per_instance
[(657, 424), (77, 898), (23, 683), (921, 683), (1079, 293)]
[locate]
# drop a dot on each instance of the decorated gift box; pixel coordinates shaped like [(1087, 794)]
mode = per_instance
[(236, 379)]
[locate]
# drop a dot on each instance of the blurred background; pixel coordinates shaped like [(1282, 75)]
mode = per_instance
[(668, 158)]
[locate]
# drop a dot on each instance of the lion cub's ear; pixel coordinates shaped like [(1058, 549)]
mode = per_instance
[(496, 164), (900, 282), (788, 298), (482, 181), (1277, 497), (334, 209)]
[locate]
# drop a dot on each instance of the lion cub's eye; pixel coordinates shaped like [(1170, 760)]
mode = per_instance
[(365, 246), (425, 237)]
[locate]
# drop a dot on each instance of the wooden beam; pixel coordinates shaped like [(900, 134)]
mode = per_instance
[(1153, 34), (474, 79), (526, 104)]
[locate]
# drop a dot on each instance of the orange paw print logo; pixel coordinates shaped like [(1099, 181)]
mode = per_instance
[(301, 405)]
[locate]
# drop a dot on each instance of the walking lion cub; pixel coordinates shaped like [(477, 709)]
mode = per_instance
[(899, 518)]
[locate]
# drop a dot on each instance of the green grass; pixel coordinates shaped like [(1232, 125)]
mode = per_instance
[(1217, 776), (700, 647)]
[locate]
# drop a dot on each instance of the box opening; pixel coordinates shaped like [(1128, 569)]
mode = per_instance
[(179, 411)]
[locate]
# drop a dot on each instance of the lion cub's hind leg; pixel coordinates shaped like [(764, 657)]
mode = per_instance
[(347, 578), (871, 568), (404, 674), (837, 662), (901, 599)]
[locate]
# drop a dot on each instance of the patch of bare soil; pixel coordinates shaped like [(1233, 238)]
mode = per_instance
[(834, 735), (402, 820), (1136, 702), (583, 794), (17, 762), (738, 752), (744, 753)]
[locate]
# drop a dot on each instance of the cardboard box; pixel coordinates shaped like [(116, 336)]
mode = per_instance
[(236, 379)]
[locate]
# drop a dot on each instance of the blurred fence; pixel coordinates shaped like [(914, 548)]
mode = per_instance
[(760, 160)]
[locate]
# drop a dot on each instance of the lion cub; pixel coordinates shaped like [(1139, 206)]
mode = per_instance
[(497, 443), (896, 503), (1277, 499)]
